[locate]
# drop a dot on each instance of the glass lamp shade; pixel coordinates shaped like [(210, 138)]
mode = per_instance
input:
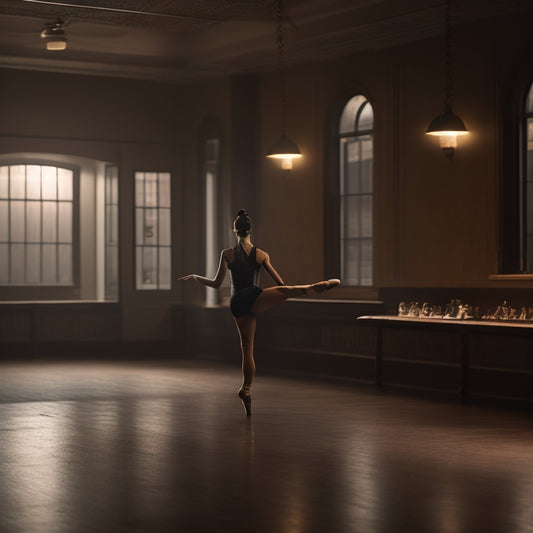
[(286, 150)]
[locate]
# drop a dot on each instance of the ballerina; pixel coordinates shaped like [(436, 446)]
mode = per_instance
[(244, 261)]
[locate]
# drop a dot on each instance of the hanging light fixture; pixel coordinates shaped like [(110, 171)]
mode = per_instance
[(448, 126), (55, 36), (284, 149)]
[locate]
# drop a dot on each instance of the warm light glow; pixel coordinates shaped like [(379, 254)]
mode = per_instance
[(286, 159), (448, 141), (448, 133), (290, 157), (56, 43)]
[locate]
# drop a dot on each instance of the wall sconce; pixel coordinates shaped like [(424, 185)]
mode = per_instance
[(54, 35), (284, 149), (448, 126)]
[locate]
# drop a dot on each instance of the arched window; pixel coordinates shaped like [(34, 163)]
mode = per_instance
[(58, 228), (356, 192), (36, 218), (526, 187)]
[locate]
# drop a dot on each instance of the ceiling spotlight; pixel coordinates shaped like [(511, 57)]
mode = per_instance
[(55, 36)]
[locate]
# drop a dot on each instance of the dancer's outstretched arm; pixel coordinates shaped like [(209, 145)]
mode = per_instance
[(216, 282)]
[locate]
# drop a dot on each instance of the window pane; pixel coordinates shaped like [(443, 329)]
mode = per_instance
[(17, 221), (350, 262), (33, 263), (146, 267), (17, 181), (111, 273), (49, 221), (357, 164), (139, 226), (49, 183), (4, 263), (139, 189), (17, 264), (64, 219), (366, 262), (33, 182), (356, 214), (4, 221), (347, 121), (49, 263), (164, 268), (150, 189), (164, 189), (33, 219), (366, 118), (164, 227), (111, 226), (64, 184), (4, 182), (65, 264), (114, 187), (150, 227)]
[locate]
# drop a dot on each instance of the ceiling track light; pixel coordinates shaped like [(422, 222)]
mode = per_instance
[(448, 126), (54, 35)]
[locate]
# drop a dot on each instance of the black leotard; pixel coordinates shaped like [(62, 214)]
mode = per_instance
[(244, 273)]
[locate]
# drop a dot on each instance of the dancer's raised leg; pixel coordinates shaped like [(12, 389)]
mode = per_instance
[(273, 296)]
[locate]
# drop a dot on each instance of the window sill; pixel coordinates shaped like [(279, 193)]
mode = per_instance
[(511, 277)]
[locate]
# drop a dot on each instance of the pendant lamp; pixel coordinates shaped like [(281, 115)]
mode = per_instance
[(284, 149), (448, 126)]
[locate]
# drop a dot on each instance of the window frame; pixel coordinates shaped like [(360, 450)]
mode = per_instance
[(510, 168), (332, 196), (51, 292), (158, 288)]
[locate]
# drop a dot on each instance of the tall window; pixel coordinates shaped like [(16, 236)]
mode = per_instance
[(526, 188), (37, 210), (356, 192), (211, 201), (153, 237), (111, 232)]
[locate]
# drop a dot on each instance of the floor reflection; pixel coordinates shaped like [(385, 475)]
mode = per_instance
[(135, 448)]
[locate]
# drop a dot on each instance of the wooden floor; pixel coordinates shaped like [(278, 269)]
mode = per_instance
[(139, 447)]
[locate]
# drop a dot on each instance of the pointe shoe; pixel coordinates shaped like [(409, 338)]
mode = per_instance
[(322, 286), (246, 402)]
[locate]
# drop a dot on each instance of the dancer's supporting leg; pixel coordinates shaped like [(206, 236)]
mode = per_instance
[(246, 326)]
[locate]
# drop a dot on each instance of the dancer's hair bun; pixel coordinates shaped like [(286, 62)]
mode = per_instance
[(242, 223)]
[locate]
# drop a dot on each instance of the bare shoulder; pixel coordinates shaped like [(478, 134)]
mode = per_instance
[(227, 254), (261, 256)]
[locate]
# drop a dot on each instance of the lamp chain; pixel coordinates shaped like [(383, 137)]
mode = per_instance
[(448, 94), (281, 63)]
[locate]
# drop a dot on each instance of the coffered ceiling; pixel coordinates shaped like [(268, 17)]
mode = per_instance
[(182, 41)]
